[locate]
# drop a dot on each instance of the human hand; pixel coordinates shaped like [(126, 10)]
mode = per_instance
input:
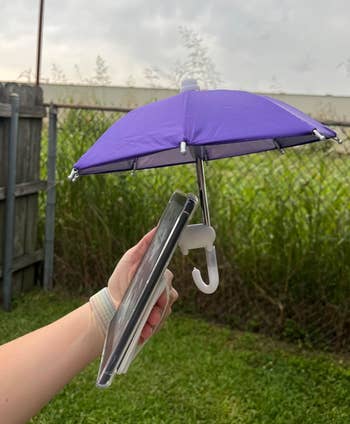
[(122, 276)]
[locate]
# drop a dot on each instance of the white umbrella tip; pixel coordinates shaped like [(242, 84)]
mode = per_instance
[(189, 84)]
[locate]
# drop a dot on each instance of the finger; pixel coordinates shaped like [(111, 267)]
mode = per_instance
[(162, 300), (172, 299), (168, 275), (167, 299), (161, 309), (146, 332), (158, 316), (134, 255), (156, 323), (174, 295), (140, 248), (167, 312), (155, 316)]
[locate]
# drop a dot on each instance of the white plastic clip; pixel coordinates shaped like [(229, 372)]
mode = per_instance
[(198, 236), (183, 147), (74, 175), (318, 135)]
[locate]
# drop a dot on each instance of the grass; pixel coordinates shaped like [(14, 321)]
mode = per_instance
[(196, 372)]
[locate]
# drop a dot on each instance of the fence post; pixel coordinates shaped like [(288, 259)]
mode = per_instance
[(50, 200), (10, 203)]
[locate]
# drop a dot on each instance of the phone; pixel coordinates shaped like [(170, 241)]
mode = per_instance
[(121, 343)]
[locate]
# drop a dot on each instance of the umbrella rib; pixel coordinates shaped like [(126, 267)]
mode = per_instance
[(278, 146), (291, 111)]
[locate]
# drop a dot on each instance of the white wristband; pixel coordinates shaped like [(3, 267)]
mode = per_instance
[(103, 308)]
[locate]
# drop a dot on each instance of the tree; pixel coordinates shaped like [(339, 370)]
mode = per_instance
[(130, 82), (346, 66), (27, 75), (197, 64), (101, 76), (57, 74)]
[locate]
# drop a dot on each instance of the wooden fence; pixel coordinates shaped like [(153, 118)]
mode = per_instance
[(25, 251)]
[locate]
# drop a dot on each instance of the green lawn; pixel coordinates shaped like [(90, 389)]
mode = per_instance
[(195, 372)]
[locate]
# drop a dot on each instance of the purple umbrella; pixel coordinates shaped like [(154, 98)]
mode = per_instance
[(197, 126)]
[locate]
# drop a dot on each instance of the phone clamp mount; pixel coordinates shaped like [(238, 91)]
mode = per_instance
[(197, 236)]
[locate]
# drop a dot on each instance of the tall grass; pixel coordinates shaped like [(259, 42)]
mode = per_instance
[(282, 222)]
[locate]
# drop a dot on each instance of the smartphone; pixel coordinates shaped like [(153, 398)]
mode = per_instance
[(121, 343)]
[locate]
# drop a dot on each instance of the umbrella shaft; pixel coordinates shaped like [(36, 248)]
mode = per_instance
[(202, 191)]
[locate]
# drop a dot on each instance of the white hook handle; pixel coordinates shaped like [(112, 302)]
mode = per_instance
[(197, 236), (213, 273)]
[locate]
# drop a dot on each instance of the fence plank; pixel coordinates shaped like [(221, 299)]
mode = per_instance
[(28, 184), (20, 222), (9, 230), (26, 261), (25, 189), (33, 112), (4, 134)]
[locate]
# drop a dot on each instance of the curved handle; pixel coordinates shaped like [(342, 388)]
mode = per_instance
[(213, 273)]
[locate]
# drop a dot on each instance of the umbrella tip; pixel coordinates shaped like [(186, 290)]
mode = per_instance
[(189, 84)]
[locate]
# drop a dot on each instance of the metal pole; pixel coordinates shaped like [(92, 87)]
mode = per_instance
[(50, 200), (202, 190), (40, 36), (10, 204)]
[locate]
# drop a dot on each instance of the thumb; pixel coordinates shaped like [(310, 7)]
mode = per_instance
[(141, 247)]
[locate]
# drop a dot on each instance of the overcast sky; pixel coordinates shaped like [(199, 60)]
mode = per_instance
[(291, 46)]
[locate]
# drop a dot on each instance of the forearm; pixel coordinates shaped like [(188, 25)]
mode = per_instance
[(41, 363)]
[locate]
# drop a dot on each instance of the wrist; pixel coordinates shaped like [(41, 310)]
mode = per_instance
[(94, 332), (103, 309)]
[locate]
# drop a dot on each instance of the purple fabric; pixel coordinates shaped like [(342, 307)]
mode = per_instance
[(214, 124)]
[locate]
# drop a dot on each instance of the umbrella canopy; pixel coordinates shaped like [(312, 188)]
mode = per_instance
[(213, 123), (196, 126)]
